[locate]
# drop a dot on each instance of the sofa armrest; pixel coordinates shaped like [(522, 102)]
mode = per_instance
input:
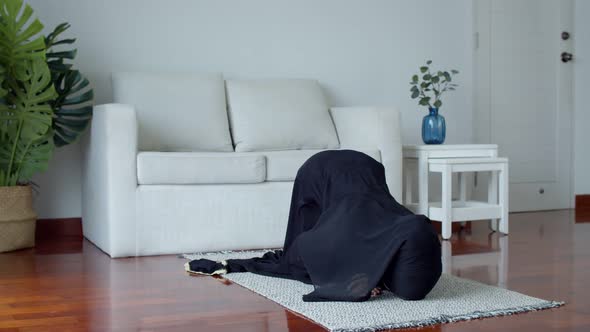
[(109, 179), (373, 127)]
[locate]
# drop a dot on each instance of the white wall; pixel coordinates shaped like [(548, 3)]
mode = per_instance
[(363, 52), (581, 36)]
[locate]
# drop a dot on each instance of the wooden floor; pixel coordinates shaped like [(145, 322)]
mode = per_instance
[(72, 286)]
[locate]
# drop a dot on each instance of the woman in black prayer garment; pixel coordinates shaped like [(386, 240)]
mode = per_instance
[(347, 236)]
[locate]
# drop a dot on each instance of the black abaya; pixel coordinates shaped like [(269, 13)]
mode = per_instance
[(346, 235)]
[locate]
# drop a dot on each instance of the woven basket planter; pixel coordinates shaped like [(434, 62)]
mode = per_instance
[(17, 218)]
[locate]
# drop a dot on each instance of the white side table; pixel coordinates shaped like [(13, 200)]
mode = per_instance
[(421, 154), (449, 211)]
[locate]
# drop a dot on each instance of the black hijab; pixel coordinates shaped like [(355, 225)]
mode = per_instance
[(346, 235)]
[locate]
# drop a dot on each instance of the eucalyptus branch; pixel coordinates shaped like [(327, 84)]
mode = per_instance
[(434, 87), (428, 86)]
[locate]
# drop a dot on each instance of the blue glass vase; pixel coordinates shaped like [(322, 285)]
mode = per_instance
[(433, 127)]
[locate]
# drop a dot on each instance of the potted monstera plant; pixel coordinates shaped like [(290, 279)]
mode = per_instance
[(44, 103)]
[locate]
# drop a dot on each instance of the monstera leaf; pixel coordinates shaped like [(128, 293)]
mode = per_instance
[(26, 141), (19, 41), (55, 60), (73, 106), (28, 145)]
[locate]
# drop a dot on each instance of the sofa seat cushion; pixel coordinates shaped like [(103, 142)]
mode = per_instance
[(279, 114), (283, 165), (200, 168), (176, 111)]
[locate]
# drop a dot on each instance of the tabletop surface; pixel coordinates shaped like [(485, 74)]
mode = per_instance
[(429, 147)]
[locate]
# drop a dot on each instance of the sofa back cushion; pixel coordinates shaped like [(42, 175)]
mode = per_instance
[(176, 112), (279, 114)]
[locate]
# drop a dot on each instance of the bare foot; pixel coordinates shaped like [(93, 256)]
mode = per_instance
[(376, 291)]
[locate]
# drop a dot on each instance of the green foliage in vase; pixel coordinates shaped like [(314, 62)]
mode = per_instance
[(430, 85), (26, 143)]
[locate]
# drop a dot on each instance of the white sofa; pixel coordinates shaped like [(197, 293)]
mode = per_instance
[(162, 175)]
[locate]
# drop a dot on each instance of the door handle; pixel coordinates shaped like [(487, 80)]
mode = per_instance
[(566, 57)]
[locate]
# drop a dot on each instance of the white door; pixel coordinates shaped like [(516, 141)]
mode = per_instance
[(524, 96)]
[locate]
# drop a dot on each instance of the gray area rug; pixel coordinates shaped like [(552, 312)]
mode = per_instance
[(452, 299)]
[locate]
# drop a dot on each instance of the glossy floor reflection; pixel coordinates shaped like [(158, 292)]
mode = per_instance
[(494, 257), (70, 285)]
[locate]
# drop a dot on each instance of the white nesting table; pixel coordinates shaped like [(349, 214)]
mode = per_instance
[(421, 154)]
